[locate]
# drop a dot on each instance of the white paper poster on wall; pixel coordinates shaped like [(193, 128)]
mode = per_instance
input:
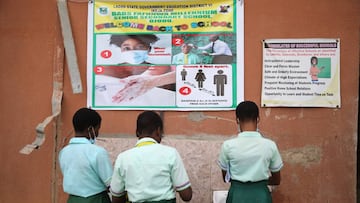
[(301, 73), (165, 55)]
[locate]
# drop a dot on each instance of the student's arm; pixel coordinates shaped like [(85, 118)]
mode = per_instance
[(275, 178), (104, 167), (121, 199), (117, 184), (180, 178), (186, 194), (275, 167), (223, 163), (223, 175)]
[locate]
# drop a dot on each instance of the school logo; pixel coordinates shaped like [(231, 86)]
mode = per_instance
[(224, 8), (103, 11)]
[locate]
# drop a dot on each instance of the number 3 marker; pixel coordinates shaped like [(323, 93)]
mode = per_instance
[(98, 69)]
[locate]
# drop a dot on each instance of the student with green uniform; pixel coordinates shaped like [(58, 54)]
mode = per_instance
[(150, 172), (86, 167), (250, 161)]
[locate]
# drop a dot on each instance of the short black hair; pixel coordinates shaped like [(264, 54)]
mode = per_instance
[(148, 122), (146, 39), (84, 118), (247, 111)]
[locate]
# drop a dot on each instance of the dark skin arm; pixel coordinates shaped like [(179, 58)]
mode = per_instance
[(121, 199), (223, 175), (186, 194), (275, 178)]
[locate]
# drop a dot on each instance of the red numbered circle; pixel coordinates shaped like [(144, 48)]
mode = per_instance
[(185, 90), (177, 41), (106, 54), (98, 69)]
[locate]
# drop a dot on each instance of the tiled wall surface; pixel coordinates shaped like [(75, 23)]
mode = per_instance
[(199, 157)]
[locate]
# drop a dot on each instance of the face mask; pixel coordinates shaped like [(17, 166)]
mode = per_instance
[(134, 57)]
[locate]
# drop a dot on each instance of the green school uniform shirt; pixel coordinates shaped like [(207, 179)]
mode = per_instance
[(86, 168), (250, 157)]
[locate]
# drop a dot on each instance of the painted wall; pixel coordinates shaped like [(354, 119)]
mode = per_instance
[(318, 144)]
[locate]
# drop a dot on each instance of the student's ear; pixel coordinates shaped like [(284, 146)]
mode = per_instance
[(160, 132), (237, 120), (258, 120)]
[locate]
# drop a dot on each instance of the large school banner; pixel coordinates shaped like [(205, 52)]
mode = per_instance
[(301, 73), (165, 55)]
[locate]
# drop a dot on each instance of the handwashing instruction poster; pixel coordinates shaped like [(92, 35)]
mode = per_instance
[(165, 55), (301, 73)]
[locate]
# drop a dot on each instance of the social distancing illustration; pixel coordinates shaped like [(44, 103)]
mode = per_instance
[(204, 85)]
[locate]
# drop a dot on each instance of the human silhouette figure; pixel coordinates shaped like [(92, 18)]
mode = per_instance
[(183, 74), (220, 81), (200, 78)]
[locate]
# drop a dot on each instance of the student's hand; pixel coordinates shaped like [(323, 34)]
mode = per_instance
[(186, 194)]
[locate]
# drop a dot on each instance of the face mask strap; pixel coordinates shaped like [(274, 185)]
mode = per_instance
[(92, 134)]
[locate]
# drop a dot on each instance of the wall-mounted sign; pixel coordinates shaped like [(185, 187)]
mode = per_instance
[(165, 55), (301, 73)]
